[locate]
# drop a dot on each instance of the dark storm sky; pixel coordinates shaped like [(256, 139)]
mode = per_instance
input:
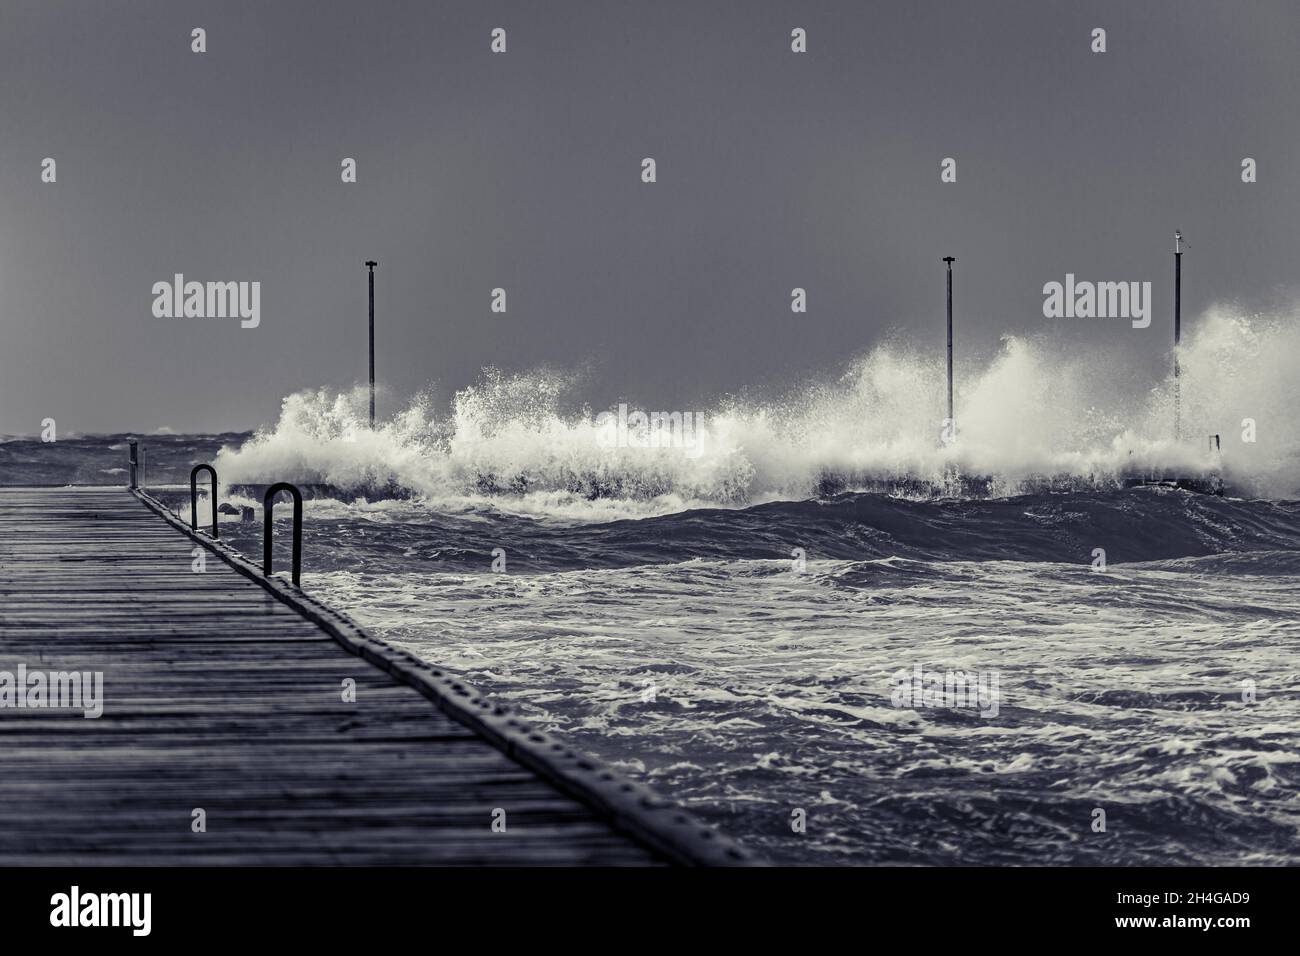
[(523, 171)]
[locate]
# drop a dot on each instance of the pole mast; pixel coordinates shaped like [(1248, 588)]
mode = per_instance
[(952, 422), (1178, 332), (370, 264)]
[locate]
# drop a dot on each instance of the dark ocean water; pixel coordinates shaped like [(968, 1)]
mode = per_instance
[(745, 659), (103, 459)]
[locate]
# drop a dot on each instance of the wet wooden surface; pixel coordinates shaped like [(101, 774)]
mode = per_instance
[(218, 697)]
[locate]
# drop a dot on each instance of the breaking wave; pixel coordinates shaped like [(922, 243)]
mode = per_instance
[(1034, 413)]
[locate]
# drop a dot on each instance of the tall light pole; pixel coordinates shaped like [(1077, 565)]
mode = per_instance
[(952, 422), (1178, 331), (370, 263)]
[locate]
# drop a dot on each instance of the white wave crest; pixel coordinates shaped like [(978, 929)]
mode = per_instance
[(1036, 409)]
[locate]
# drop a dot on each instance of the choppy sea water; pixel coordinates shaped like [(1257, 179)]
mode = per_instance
[(1162, 691)]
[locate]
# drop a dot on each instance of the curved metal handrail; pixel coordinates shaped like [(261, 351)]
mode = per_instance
[(268, 501), (194, 497)]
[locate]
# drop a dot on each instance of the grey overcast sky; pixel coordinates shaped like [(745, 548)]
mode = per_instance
[(522, 171)]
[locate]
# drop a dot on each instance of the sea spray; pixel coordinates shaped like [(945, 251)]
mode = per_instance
[(1033, 413)]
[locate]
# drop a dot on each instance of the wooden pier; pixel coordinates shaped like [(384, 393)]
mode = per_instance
[(224, 702)]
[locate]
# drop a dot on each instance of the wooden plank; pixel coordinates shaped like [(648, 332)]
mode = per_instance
[(224, 692)]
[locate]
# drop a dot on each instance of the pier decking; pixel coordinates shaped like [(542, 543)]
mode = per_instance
[(224, 693)]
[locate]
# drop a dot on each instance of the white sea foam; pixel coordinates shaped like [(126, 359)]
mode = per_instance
[(1035, 409), (741, 684)]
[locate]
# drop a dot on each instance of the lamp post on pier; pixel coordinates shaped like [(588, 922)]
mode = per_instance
[(952, 421), (370, 264), (1178, 331)]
